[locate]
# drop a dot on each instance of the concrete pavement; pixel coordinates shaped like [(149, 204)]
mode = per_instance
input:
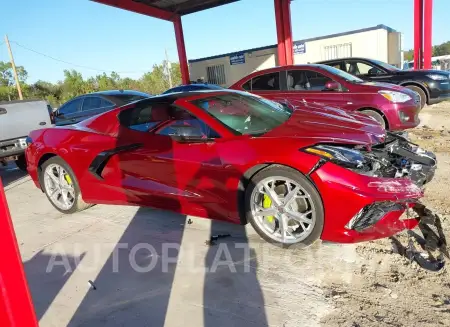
[(151, 268)]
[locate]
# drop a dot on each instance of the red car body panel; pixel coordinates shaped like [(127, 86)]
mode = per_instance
[(203, 179), (353, 97)]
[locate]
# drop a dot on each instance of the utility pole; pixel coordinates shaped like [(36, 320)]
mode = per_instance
[(19, 90), (169, 70)]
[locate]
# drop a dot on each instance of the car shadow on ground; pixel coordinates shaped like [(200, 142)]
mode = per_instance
[(10, 174), (138, 286), (45, 283)]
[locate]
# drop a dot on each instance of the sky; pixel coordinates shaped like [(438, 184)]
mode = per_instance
[(104, 38)]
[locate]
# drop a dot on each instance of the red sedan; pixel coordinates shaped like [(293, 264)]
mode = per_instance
[(394, 107), (296, 176)]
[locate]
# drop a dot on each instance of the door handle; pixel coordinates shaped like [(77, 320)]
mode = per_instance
[(3, 111)]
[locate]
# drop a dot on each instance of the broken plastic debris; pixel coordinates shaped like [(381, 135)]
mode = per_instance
[(91, 283), (214, 238)]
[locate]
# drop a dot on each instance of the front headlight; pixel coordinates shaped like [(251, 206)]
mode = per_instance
[(395, 97), (343, 156), (437, 77)]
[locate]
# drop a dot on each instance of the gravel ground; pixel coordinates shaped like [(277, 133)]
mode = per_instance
[(389, 289)]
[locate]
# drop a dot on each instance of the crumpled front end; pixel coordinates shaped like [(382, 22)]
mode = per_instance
[(365, 191), (398, 158)]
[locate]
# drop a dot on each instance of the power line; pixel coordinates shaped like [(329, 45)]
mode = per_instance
[(73, 64)]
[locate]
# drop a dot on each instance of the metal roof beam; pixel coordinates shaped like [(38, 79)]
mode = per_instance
[(140, 8)]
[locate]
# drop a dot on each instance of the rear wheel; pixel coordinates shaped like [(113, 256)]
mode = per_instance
[(284, 207), (423, 96), (61, 186), (378, 117), (21, 163)]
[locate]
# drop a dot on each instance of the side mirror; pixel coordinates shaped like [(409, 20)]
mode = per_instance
[(332, 86), (183, 133)]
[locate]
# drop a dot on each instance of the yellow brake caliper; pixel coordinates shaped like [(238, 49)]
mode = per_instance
[(68, 179), (267, 203)]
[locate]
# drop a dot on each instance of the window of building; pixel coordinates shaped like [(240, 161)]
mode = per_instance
[(266, 82), (216, 74), (337, 51)]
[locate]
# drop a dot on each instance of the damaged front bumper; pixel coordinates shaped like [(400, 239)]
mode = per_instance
[(363, 208)]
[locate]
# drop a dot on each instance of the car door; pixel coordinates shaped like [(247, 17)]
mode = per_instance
[(308, 86), (368, 71), (68, 112), (94, 105), (165, 171)]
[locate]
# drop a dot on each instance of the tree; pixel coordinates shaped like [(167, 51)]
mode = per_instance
[(438, 50), (154, 82), (7, 82)]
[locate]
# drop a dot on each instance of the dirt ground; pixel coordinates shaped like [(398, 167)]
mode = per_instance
[(389, 289)]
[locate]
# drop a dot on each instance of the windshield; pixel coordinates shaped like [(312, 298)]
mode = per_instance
[(384, 65), (348, 77), (245, 114)]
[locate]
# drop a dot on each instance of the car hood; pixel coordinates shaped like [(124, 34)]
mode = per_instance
[(386, 86), (423, 71), (326, 124)]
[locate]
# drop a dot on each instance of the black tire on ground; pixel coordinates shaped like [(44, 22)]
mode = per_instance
[(21, 163), (379, 118), (79, 204), (283, 171), (423, 96)]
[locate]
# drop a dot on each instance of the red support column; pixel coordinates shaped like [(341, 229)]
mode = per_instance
[(427, 29), (284, 32), (16, 307), (288, 44), (418, 34), (280, 33), (181, 50)]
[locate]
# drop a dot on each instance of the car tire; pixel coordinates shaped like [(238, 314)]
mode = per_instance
[(423, 96), (283, 172), (76, 201), (378, 117), (21, 163)]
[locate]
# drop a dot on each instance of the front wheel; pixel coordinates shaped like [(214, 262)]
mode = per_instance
[(422, 95), (284, 207), (61, 186)]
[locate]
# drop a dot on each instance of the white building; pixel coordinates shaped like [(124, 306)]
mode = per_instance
[(378, 42)]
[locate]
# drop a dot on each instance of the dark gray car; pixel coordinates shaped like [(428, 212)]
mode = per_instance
[(88, 105)]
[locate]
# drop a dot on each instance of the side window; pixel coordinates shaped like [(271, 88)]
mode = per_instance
[(316, 80), (336, 64), (91, 103), (71, 107), (267, 82), (296, 80), (361, 68), (247, 85), (144, 118), (181, 118), (106, 103), (306, 80)]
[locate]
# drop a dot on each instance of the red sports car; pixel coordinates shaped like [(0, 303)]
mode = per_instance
[(295, 175)]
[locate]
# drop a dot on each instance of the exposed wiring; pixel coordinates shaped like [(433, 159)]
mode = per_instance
[(73, 64)]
